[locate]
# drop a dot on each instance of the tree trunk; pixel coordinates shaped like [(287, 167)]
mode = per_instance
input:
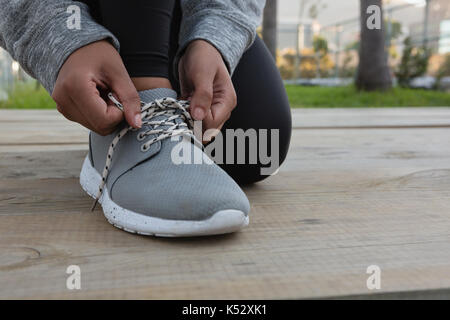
[(373, 70), (269, 32)]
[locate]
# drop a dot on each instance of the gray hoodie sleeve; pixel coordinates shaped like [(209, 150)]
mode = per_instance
[(36, 34), (229, 25)]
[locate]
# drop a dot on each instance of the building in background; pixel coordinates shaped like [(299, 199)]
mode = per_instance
[(438, 32), (288, 32), (440, 24)]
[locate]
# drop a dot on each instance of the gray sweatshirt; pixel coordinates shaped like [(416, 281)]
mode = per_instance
[(40, 35)]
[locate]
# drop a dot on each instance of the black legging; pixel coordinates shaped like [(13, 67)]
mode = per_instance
[(148, 36)]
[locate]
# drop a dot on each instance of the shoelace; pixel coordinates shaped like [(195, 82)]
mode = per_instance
[(171, 108)]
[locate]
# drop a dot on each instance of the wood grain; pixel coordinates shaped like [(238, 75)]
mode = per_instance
[(345, 199), (371, 117)]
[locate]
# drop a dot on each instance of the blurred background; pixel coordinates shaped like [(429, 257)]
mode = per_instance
[(316, 46), (329, 31)]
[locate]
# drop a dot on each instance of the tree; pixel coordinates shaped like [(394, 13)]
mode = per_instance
[(395, 28), (320, 46), (414, 63), (373, 70), (269, 32)]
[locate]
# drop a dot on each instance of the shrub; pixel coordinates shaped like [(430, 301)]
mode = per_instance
[(414, 63)]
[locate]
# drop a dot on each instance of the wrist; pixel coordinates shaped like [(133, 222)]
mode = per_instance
[(206, 48)]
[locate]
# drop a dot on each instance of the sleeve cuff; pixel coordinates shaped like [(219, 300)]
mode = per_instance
[(231, 44), (61, 42)]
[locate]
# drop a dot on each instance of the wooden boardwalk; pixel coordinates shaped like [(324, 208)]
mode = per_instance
[(360, 187)]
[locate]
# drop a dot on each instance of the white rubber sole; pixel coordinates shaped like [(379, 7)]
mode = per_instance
[(224, 221)]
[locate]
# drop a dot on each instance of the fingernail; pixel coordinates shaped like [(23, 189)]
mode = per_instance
[(199, 114), (138, 120)]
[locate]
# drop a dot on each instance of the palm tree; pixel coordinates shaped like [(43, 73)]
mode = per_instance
[(373, 70), (269, 31)]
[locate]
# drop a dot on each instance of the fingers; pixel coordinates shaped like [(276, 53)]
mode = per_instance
[(223, 104), (80, 101), (202, 95), (71, 112), (205, 80), (214, 120), (96, 65), (102, 118), (211, 129), (126, 93)]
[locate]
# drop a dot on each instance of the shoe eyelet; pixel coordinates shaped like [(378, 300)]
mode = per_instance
[(144, 148), (140, 137)]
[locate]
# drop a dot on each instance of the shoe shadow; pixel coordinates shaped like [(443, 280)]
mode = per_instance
[(199, 241)]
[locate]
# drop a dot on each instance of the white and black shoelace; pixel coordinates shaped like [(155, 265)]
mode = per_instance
[(171, 109)]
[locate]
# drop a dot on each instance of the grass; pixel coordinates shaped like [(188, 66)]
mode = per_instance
[(340, 97), (25, 96)]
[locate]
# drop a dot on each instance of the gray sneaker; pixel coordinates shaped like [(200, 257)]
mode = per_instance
[(142, 190)]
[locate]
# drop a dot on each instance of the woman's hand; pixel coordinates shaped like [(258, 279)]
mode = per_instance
[(204, 79), (83, 81)]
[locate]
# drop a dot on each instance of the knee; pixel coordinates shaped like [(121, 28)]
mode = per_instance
[(270, 156)]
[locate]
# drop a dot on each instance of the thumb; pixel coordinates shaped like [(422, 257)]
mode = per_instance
[(128, 96), (201, 100)]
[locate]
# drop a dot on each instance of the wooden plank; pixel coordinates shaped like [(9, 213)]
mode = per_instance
[(41, 165), (33, 116), (345, 150), (371, 117), (60, 132), (40, 130), (25, 127), (317, 248), (302, 117), (41, 147), (344, 200)]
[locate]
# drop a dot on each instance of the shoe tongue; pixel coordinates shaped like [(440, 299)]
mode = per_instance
[(159, 93), (150, 95)]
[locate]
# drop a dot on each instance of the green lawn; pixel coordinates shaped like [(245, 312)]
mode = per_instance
[(327, 97), (25, 96)]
